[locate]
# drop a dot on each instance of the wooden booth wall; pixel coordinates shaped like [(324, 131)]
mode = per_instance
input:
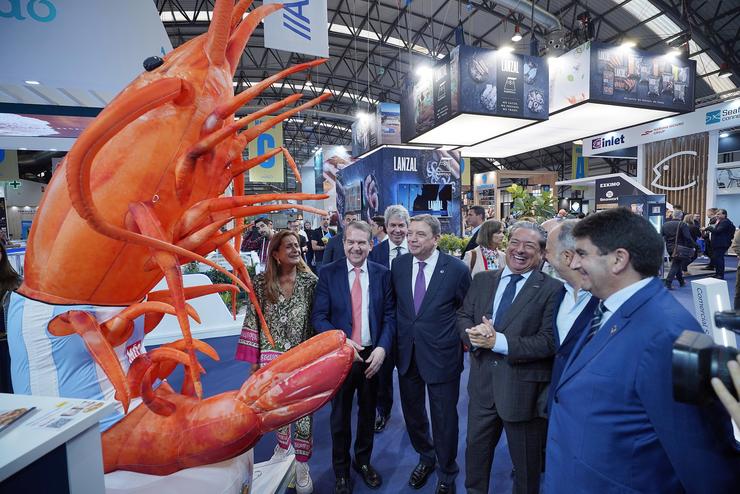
[(680, 171)]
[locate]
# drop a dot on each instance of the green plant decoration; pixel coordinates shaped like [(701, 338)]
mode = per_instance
[(541, 207), (450, 244)]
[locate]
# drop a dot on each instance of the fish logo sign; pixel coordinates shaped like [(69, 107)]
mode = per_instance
[(713, 117), (658, 175)]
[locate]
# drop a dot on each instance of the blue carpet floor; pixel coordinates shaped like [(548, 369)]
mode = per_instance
[(393, 456)]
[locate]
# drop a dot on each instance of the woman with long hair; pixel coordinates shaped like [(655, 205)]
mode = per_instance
[(285, 292), (9, 281), (486, 256)]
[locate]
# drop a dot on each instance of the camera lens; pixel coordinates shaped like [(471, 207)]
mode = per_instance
[(696, 360)]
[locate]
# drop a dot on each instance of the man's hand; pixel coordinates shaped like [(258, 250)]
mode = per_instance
[(483, 335), (731, 404), (374, 361), (358, 348)]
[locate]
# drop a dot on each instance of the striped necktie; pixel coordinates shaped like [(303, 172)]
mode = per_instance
[(596, 321)]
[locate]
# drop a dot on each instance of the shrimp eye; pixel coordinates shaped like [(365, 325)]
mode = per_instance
[(152, 63)]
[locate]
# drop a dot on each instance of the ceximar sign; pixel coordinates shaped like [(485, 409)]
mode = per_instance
[(608, 191)]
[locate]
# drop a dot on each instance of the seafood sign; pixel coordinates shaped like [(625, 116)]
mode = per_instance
[(138, 195)]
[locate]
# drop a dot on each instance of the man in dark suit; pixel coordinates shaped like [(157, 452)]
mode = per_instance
[(614, 425), (506, 321), (430, 287), (335, 247), (475, 217), (722, 232), (356, 296), (574, 306), (396, 220)]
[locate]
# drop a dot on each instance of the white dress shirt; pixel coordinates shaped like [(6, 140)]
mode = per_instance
[(392, 250), (502, 346), (570, 309), (365, 284), (428, 270), (616, 299)]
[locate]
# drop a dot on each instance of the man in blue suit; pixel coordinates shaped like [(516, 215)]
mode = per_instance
[(614, 425), (575, 306), (396, 221), (430, 287), (356, 296), (722, 232)]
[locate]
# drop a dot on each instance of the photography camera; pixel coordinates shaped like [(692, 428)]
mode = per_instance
[(696, 360)]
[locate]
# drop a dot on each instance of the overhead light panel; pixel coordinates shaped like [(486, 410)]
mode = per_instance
[(32, 82), (724, 134), (424, 72), (517, 34)]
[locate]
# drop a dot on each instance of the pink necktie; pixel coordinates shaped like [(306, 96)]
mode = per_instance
[(357, 308)]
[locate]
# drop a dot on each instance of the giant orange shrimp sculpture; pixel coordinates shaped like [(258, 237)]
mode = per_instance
[(138, 196)]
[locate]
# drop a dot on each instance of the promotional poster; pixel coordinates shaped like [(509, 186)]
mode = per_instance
[(476, 81), (382, 128), (505, 84), (423, 181), (609, 190), (638, 78)]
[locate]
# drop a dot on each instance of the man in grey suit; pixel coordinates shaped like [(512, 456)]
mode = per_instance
[(506, 321)]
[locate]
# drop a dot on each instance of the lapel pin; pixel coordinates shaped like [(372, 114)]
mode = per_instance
[(441, 271), (613, 330)]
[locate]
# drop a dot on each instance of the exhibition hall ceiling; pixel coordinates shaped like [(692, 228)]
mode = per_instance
[(376, 46)]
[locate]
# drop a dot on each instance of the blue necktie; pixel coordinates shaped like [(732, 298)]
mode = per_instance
[(507, 299)]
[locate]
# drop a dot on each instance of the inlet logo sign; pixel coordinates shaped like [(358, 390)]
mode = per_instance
[(300, 26), (602, 142)]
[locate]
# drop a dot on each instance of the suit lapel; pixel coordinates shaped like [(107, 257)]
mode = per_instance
[(434, 282), (582, 355), (558, 302)]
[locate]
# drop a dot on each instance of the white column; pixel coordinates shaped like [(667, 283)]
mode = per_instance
[(641, 165), (713, 147)]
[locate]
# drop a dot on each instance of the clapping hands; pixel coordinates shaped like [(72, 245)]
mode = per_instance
[(483, 335)]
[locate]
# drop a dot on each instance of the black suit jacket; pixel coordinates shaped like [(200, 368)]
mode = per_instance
[(430, 336), (565, 347), (334, 249), (472, 243), (381, 253), (722, 234), (512, 383), (332, 307)]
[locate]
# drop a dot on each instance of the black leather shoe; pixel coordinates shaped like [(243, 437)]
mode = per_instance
[(682, 284), (342, 486), (445, 488), (420, 475), (380, 422), (369, 475), (708, 268)]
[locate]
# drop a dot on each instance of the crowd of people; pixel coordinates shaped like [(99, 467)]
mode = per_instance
[(575, 366)]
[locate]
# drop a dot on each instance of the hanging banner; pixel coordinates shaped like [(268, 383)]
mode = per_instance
[(271, 170), (579, 163), (639, 78), (300, 27)]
